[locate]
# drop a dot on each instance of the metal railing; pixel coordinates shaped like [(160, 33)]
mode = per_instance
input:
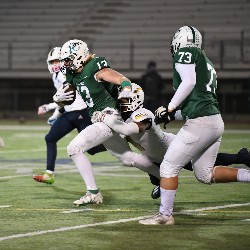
[(229, 50)]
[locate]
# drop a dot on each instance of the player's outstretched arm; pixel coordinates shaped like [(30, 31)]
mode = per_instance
[(112, 76), (46, 108)]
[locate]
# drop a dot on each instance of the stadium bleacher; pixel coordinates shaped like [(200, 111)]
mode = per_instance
[(129, 33)]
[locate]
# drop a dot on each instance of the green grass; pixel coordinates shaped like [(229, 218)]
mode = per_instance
[(36, 207)]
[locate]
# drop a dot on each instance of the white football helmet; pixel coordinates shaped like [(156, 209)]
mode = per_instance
[(54, 54), (134, 102), (186, 36), (75, 50)]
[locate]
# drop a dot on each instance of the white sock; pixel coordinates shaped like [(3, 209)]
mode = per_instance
[(243, 175), (85, 169), (167, 201), (49, 172)]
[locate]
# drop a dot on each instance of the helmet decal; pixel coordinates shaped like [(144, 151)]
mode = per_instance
[(76, 51), (186, 36), (129, 105), (193, 32)]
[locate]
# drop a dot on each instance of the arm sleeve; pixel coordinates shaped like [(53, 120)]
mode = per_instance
[(178, 115), (120, 126), (188, 81)]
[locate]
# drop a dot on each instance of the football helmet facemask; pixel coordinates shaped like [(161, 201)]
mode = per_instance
[(129, 105), (53, 60), (74, 54), (186, 36)]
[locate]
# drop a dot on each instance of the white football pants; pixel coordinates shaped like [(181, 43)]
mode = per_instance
[(197, 141), (100, 133)]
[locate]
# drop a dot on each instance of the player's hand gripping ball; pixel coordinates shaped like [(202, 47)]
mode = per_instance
[(65, 95)]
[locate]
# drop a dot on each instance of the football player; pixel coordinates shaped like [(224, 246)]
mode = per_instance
[(98, 85), (63, 120), (150, 139), (194, 80)]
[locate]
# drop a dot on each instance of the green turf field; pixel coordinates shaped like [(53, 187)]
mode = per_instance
[(38, 216)]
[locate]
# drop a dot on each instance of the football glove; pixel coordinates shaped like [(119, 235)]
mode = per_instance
[(54, 117), (98, 116), (43, 109), (163, 116), (61, 95), (46, 108)]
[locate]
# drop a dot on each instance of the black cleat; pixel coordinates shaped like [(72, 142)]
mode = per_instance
[(244, 156), (97, 149), (156, 192)]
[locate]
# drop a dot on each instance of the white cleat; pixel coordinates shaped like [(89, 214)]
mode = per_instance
[(89, 198), (158, 219)]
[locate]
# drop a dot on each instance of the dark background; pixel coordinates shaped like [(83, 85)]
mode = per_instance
[(129, 34)]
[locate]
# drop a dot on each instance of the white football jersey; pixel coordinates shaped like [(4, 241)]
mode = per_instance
[(154, 141), (59, 79)]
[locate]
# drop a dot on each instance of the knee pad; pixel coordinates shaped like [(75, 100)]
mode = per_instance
[(73, 149), (127, 159), (168, 169), (205, 178)]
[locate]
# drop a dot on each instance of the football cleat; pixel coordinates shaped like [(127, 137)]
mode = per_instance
[(244, 156), (156, 192), (89, 198), (45, 178), (158, 219)]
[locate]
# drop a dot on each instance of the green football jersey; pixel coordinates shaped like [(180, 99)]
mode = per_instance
[(97, 95), (202, 101)]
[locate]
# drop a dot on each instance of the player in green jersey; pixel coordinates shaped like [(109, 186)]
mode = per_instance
[(194, 80), (98, 85)]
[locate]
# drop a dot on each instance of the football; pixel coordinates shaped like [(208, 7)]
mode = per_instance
[(70, 88)]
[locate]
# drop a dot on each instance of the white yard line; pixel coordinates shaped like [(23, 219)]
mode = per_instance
[(14, 176), (17, 165), (64, 229), (213, 208), (30, 150), (24, 127)]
